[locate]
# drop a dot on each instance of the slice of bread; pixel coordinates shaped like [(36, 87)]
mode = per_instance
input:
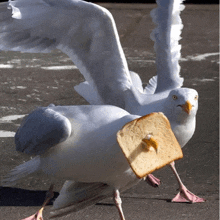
[(148, 143)]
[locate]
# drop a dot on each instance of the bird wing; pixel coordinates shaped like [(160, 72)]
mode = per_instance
[(166, 38), (75, 196), (92, 96), (84, 31), (41, 130), (87, 34)]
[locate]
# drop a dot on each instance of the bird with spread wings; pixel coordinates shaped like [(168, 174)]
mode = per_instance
[(87, 33)]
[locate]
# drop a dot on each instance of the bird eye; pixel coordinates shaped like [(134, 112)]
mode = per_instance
[(174, 97), (196, 97)]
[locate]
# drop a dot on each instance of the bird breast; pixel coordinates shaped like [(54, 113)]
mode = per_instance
[(184, 132)]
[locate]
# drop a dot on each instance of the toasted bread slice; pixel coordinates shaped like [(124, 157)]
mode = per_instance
[(148, 143)]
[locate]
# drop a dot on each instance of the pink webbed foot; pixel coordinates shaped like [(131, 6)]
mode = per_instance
[(152, 180), (186, 196)]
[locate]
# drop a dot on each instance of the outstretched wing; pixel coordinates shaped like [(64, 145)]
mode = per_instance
[(166, 37), (41, 130), (84, 31)]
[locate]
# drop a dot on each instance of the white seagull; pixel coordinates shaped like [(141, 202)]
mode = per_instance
[(87, 33), (79, 144)]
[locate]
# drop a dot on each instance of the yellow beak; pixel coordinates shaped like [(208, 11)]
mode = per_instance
[(187, 107), (151, 142)]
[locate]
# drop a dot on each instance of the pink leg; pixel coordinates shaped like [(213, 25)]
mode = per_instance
[(39, 214), (184, 195), (118, 202), (49, 195), (152, 180)]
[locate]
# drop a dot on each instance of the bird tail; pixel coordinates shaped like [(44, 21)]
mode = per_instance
[(75, 196), (21, 171)]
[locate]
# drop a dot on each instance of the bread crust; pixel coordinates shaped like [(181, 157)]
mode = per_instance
[(160, 149)]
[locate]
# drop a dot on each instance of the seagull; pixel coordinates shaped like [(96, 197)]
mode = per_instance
[(87, 33), (164, 91), (79, 144)]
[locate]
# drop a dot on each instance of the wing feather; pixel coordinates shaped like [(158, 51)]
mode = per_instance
[(84, 31), (75, 196), (166, 37), (41, 130)]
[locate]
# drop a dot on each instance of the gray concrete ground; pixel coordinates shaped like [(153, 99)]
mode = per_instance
[(26, 82)]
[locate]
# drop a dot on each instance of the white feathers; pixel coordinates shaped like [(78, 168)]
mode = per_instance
[(88, 93), (151, 86), (73, 137), (84, 31), (75, 196), (21, 9), (166, 37), (93, 135), (21, 171), (87, 34)]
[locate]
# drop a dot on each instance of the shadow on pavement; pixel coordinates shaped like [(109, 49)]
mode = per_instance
[(22, 197)]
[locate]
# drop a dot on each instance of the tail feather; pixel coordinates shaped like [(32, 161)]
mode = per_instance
[(21, 171)]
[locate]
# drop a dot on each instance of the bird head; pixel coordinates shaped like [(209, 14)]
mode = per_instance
[(183, 102)]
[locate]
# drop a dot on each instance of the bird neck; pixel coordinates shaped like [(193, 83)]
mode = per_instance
[(183, 119), (184, 131)]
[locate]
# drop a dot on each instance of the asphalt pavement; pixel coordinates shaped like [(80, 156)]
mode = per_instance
[(31, 80)]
